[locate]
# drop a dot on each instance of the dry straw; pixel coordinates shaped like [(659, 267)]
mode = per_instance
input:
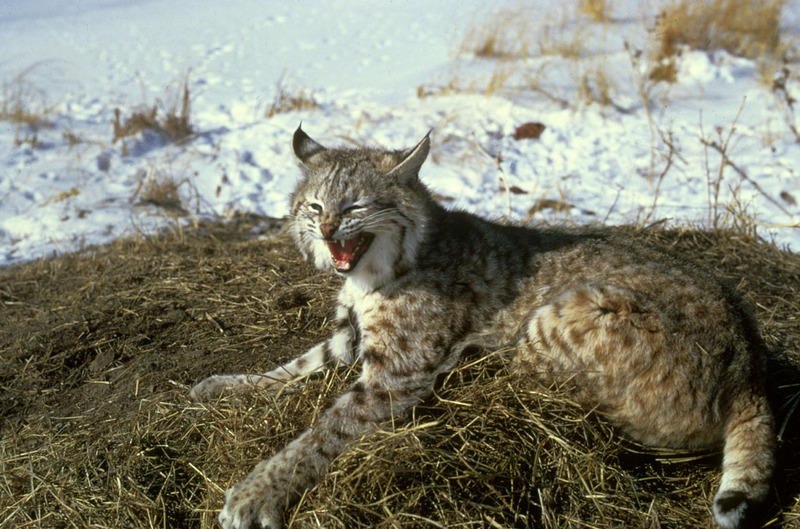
[(99, 349), (171, 120)]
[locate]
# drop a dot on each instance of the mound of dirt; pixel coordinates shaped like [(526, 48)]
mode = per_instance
[(98, 350)]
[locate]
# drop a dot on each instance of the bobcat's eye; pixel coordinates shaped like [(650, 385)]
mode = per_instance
[(317, 208), (352, 208)]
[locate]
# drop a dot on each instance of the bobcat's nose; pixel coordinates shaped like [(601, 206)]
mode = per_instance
[(328, 230)]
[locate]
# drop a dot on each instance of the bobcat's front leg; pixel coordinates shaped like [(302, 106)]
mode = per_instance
[(325, 355), (273, 485)]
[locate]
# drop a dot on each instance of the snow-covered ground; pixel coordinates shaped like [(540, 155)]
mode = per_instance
[(364, 63)]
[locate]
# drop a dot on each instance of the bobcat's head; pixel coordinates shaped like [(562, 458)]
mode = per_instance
[(361, 212)]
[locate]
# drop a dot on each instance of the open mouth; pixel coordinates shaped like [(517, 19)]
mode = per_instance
[(346, 253)]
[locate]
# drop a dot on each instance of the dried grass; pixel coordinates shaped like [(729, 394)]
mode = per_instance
[(161, 190), (749, 28), (99, 349), (25, 106), (171, 120), (22, 103), (287, 100), (502, 35), (506, 34), (597, 10), (517, 39)]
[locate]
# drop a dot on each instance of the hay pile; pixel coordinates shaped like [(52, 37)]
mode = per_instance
[(98, 350)]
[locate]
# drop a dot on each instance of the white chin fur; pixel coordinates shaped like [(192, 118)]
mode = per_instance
[(380, 259), (376, 267), (321, 254)]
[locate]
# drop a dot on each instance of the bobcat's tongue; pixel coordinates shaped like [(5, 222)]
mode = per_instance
[(346, 253)]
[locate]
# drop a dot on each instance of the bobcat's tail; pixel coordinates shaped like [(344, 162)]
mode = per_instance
[(748, 461)]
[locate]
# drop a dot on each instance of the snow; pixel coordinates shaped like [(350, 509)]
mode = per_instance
[(68, 185)]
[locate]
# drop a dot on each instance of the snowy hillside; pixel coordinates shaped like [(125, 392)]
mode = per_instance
[(716, 146)]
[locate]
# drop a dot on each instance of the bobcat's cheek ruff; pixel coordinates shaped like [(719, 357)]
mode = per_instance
[(345, 254)]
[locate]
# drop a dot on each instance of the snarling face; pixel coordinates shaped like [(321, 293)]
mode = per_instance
[(356, 210), (339, 233)]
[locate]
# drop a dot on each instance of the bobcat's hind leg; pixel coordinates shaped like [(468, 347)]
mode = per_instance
[(590, 330), (748, 461), (612, 344), (325, 355)]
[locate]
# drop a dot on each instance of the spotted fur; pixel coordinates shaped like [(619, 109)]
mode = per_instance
[(664, 349)]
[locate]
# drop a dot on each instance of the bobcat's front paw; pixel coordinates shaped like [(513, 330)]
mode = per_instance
[(211, 387), (248, 505)]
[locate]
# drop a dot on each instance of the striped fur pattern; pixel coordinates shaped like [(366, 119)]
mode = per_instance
[(665, 350)]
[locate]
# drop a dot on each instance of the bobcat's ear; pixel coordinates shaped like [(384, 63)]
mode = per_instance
[(412, 159), (304, 148)]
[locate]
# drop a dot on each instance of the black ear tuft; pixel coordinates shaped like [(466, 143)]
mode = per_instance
[(304, 148), (413, 159)]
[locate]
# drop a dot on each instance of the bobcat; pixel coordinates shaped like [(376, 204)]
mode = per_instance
[(672, 356)]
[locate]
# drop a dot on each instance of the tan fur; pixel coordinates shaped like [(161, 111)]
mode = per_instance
[(667, 352)]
